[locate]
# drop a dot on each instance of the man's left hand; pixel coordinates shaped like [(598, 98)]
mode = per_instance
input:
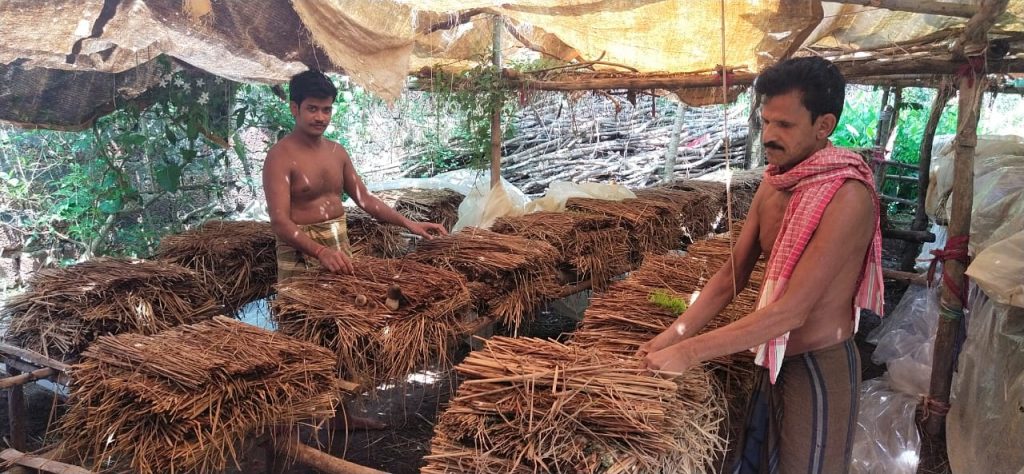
[(670, 361), (427, 230)]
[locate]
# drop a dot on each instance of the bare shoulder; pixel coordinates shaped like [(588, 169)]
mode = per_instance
[(852, 209)]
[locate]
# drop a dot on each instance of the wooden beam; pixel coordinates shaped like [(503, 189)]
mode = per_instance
[(974, 39), (899, 164), (60, 377), (896, 200), (896, 177), (322, 461), (924, 164), (951, 304), (16, 413), (33, 357), (907, 277), (908, 235), (40, 463), (26, 377), (917, 6)]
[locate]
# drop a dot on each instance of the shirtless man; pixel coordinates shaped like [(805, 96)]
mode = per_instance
[(815, 218), (304, 176)]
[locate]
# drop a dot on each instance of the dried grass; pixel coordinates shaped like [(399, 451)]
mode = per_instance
[(237, 260), (590, 246), (548, 407), (188, 399), (509, 275), (372, 343), (64, 309), (369, 238), (699, 212), (440, 206), (652, 225)]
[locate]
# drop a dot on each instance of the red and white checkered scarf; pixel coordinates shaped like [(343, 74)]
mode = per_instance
[(813, 183)]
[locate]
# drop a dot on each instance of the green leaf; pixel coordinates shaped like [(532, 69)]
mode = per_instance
[(853, 131), (111, 206), (188, 155), (171, 137), (240, 149), (168, 176), (192, 128), (240, 116)]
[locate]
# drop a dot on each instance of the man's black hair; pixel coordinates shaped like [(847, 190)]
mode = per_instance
[(311, 83), (822, 86)]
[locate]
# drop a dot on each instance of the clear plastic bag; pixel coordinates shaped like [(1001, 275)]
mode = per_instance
[(886, 440), (905, 339), (560, 191), (484, 204)]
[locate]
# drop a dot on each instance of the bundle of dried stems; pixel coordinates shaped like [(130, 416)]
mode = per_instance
[(373, 343), (590, 246), (510, 275), (548, 407), (440, 206), (64, 309), (190, 398), (371, 238), (652, 225), (236, 259), (699, 212)]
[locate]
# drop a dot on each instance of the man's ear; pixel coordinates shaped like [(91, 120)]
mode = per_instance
[(825, 125), (294, 108)]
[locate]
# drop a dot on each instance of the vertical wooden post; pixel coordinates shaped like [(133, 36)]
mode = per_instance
[(499, 23), (752, 152), (950, 304), (924, 164), (16, 413)]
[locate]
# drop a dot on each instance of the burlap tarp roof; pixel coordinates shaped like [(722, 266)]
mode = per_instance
[(64, 62)]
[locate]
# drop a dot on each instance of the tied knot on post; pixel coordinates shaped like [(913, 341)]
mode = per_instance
[(931, 406), (955, 249), (969, 70)]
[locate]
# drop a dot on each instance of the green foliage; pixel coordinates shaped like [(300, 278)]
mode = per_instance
[(665, 300)]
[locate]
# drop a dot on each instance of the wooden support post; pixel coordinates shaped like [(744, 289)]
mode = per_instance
[(16, 413), (322, 461), (924, 164), (752, 152), (929, 7), (40, 463), (496, 103), (950, 304)]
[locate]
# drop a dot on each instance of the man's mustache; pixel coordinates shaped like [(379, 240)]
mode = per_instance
[(774, 145)]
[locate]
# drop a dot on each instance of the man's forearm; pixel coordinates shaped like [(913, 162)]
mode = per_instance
[(750, 331), (713, 298)]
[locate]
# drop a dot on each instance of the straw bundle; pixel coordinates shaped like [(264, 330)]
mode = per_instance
[(699, 212), (371, 238), (348, 314), (549, 407), (652, 225), (440, 206), (64, 309), (188, 399), (237, 260), (591, 246), (511, 275)]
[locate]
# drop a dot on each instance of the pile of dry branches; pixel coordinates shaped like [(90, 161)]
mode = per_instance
[(236, 260), (373, 340), (440, 206), (742, 187), (188, 399), (531, 405), (64, 309), (699, 212), (509, 275), (371, 238), (652, 225), (590, 246)]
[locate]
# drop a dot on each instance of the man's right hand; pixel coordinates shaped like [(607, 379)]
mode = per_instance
[(334, 260), (670, 336)]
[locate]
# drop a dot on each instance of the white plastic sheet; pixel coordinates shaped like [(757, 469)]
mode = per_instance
[(484, 204), (985, 424), (999, 270), (992, 151), (561, 191)]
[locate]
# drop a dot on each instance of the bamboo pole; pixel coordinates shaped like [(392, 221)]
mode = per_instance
[(322, 461), (924, 164), (59, 377), (27, 377), (951, 305), (496, 104), (40, 463), (973, 40), (918, 6), (885, 113), (668, 174), (907, 277)]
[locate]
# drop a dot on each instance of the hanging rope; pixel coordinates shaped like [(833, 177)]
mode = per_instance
[(724, 72)]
